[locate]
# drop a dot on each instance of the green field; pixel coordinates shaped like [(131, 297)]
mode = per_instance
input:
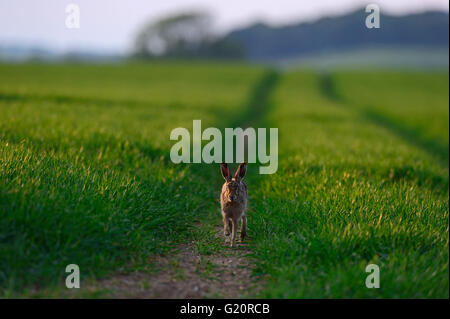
[(363, 177)]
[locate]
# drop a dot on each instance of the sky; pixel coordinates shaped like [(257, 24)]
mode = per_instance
[(110, 25)]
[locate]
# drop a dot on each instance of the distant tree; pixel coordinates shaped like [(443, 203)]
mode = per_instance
[(186, 35)]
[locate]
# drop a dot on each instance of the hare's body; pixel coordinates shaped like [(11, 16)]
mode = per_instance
[(233, 202)]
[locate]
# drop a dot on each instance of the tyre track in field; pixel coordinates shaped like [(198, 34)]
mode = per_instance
[(433, 147), (203, 266)]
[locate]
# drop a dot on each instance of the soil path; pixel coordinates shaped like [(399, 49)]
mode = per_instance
[(186, 273)]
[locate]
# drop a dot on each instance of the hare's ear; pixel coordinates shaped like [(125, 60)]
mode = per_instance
[(240, 172), (225, 171)]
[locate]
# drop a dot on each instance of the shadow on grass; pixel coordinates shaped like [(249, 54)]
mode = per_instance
[(96, 216), (77, 100)]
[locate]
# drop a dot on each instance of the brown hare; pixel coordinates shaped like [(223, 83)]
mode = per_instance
[(233, 201)]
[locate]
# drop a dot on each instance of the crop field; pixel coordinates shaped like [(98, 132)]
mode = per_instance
[(363, 176), (350, 192)]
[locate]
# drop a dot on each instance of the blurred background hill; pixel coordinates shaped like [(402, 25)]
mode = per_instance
[(429, 29), (408, 40), (411, 39)]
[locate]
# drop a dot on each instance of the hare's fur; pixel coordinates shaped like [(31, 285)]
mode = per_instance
[(233, 202)]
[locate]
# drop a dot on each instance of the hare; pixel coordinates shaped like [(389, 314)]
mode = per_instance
[(233, 201)]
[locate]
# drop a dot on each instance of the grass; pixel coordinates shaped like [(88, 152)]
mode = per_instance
[(348, 193), (411, 105), (415, 100), (85, 175)]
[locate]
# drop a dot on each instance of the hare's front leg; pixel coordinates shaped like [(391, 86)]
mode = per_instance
[(243, 227), (226, 228), (234, 224)]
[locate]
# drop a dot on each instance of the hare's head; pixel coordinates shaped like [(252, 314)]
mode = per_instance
[(233, 185)]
